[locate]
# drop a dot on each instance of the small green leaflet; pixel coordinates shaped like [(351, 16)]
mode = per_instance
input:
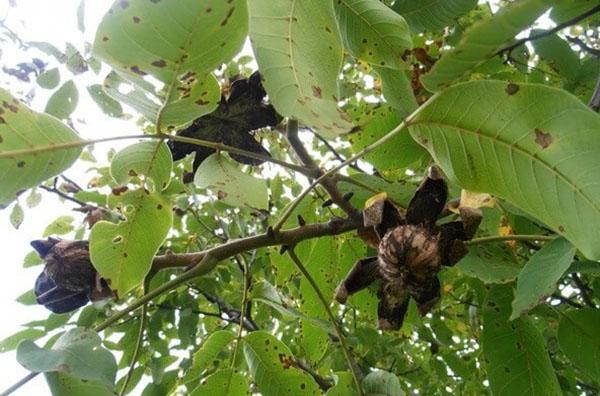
[(232, 186), (578, 338), (152, 158)]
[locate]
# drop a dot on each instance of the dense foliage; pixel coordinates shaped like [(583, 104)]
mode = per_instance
[(223, 269)]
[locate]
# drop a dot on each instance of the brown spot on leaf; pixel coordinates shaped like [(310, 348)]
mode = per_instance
[(561, 228), (132, 173), (201, 102), (208, 10), (136, 19), (159, 206), (327, 29), (512, 88), (125, 254), (159, 63), (117, 239), (105, 38), (317, 91), (21, 164), (119, 190), (229, 13), (137, 70), (2, 120), (542, 139), (221, 194)]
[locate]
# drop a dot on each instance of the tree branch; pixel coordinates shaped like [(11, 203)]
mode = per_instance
[(328, 183), (595, 100), (583, 290), (508, 49), (502, 238), (584, 47)]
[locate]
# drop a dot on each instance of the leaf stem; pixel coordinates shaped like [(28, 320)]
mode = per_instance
[(501, 238), (138, 344), (351, 365)]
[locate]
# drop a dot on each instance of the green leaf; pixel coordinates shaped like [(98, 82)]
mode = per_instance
[(108, 105), (60, 226), (62, 384), (77, 352), (490, 263), (538, 278), (557, 53), (33, 199), (373, 32), (22, 130), (64, 101), (138, 97), (399, 152), (27, 298), (151, 158), (382, 383), (515, 353), (569, 9), (210, 349), (75, 62), (344, 385), (11, 342), (232, 186), (532, 145), (225, 382), (578, 338), (482, 40), (32, 259), (138, 38), (299, 53), (49, 79), (432, 15), (272, 366), (17, 216), (397, 90), (122, 253)]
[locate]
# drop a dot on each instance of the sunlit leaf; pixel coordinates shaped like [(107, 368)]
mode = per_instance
[(482, 40), (22, 129), (299, 53), (373, 32), (108, 105), (62, 384), (151, 158), (533, 145), (177, 43), (432, 15), (225, 382), (49, 79), (382, 383), (122, 253), (11, 342), (230, 184), (210, 349), (63, 102)]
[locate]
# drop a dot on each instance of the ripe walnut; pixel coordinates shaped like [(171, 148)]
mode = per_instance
[(411, 251), (68, 280)]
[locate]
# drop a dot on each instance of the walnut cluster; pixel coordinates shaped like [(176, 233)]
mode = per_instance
[(411, 251), (69, 280)]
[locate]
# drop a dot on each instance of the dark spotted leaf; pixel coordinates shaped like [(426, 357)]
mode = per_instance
[(273, 367), (151, 159), (533, 145), (301, 79), (225, 382), (122, 253), (22, 130), (140, 38), (373, 32)]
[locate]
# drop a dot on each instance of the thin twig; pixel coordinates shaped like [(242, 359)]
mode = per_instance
[(334, 151), (502, 238), (583, 290), (570, 22), (595, 99), (138, 344), (328, 183), (584, 47), (62, 195), (566, 300), (351, 364)]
